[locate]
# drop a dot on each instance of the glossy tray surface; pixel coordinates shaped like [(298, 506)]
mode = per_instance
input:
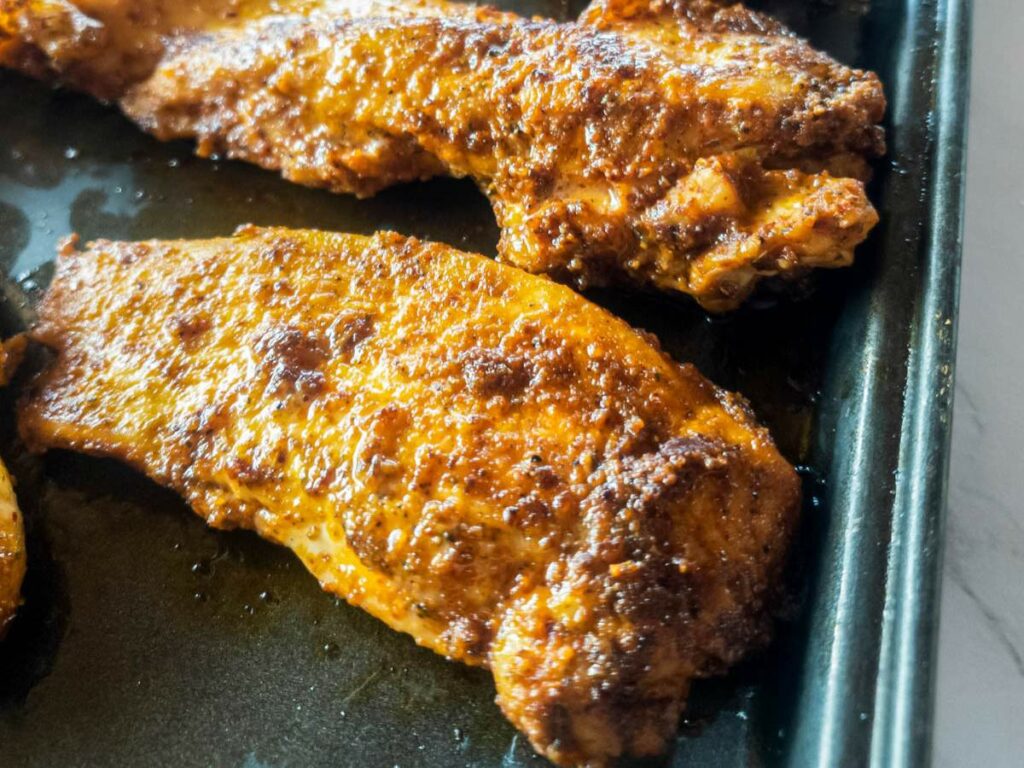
[(148, 639)]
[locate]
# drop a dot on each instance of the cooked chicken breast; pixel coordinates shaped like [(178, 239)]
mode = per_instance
[(12, 533), (476, 456), (687, 145), (12, 551)]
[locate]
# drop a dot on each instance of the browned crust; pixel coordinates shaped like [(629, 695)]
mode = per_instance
[(476, 456), (691, 146), (12, 532)]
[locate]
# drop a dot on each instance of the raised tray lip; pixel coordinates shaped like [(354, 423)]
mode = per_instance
[(868, 697), (905, 695)]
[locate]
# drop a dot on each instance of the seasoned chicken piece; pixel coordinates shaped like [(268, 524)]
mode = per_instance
[(686, 145), (12, 551), (476, 456), (12, 533)]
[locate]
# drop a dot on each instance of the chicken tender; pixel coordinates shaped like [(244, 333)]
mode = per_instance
[(477, 456), (689, 146)]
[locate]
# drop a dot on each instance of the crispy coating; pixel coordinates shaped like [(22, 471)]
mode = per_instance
[(12, 551), (12, 533), (476, 456), (686, 145)]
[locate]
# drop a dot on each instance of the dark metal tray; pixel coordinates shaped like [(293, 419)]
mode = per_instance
[(148, 639)]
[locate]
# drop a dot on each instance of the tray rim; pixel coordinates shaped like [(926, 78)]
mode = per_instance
[(867, 698), (905, 698)]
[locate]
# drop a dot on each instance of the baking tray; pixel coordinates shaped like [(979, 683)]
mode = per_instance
[(147, 639)]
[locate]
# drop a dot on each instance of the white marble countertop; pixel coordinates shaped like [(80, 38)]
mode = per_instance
[(979, 719)]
